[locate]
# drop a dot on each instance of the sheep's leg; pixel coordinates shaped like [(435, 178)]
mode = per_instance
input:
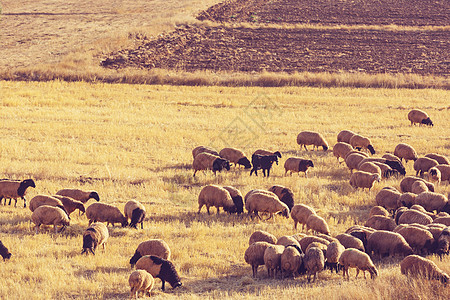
[(357, 273), (218, 210), (264, 172), (163, 284), (295, 224), (255, 270), (10, 199), (199, 208), (207, 209)]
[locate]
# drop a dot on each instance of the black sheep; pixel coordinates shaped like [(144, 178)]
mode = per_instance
[(263, 162), (160, 268), (4, 252)]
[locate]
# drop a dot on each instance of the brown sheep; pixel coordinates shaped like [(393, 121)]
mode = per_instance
[(423, 164), (420, 117), (345, 136), (421, 267), (405, 151), (305, 138), (79, 195)]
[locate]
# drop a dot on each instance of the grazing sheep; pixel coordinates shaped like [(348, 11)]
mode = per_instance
[(334, 251), (434, 175), (386, 171), (14, 189), (272, 259), (433, 202), (205, 161), (260, 191), (154, 247), (237, 198), (441, 159), (418, 266), (263, 162), (262, 236), (423, 164), (305, 138), (317, 224), (419, 239), (287, 240), (420, 117), (319, 245), (354, 258), (349, 241), (291, 260), (4, 252), (341, 150), (79, 195), (352, 161), (40, 200), (102, 212), (266, 152), (135, 211), (360, 142), (414, 216), (345, 136), (50, 215), (406, 184), (406, 199), (266, 202), (95, 235), (214, 195), (445, 172), (235, 156), (381, 223), (314, 261), (406, 152), (361, 179), (419, 187), (140, 281), (254, 255), (297, 164), (160, 268), (442, 220), (436, 229), (71, 204), (390, 156), (389, 243), (370, 167), (388, 198), (201, 149), (307, 240), (378, 211), (443, 242), (284, 194), (326, 237), (393, 164), (300, 213)]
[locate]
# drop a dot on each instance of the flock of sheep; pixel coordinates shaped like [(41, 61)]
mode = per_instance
[(411, 222)]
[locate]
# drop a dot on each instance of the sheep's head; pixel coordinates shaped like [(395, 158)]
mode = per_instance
[(4, 252), (285, 213), (371, 149), (94, 195), (310, 164), (324, 147), (373, 272), (277, 153), (245, 162), (376, 177), (427, 121)]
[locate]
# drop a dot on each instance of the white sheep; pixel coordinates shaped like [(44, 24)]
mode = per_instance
[(370, 167), (14, 189), (254, 255), (360, 142), (418, 266), (354, 258), (434, 175), (317, 224), (420, 117), (441, 159), (140, 281), (288, 240), (214, 195), (79, 195), (102, 212), (300, 213), (297, 165), (349, 241), (361, 179), (50, 215), (419, 187), (205, 161), (388, 198), (406, 152), (386, 170), (272, 259), (40, 200), (235, 156), (71, 204), (314, 261), (341, 150), (155, 247), (265, 202), (423, 164), (201, 149), (262, 236), (380, 223), (390, 156), (445, 172), (406, 184), (442, 220), (378, 211), (353, 160), (307, 240), (95, 236), (285, 195), (414, 216), (305, 138), (383, 243), (433, 201), (135, 211), (237, 198), (345, 136), (419, 239), (291, 260), (332, 255), (406, 199)]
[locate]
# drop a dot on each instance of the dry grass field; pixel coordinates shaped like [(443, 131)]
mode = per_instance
[(135, 141)]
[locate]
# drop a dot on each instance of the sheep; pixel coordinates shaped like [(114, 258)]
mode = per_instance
[(262, 236), (305, 241), (420, 117), (360, 232), (436, 229), (235, 156), (406, 184), (423, 164), (317, 224), (414, 216), (4, 252), (102, 212), (202, 149), (388, 198), (341, 150), (71, 204), (383, 242), (205, 161), (334, 251), (360, 142), (287, 240), (265, 202), (419, 187), (370, 167), (354, 258), (361, 179), (300, 213), (314, 261), (79, 195), (445, 172), (390, 156), (418, 266), (378, 211), (214, 195), (406, 152), (345, 136), (254, 255), (50, 215), (263, 162), (352, 161), (380, 223), (443, 242), (442, 220), (94, 236), (393, 164), (140, 280), (297, 164), (135, 211), (434, 175), (441, 159), (433, 201), (266, 152), (284, 194), (305, 138), (272, 259), (419, 239), (14, 189), (319, 245), (406, 199), (40, 200), (291, 260), (349, 241), (160, 268), (237, 198), (386, 171), (156, 247)]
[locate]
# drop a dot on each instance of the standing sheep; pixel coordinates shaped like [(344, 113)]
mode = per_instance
[(406, 184), (352, 161), (297, 165), (300, 213), (411, 216), (420, 240), (262, 236), (406, 152), (79, 195), (235, 156), (71, 204), (95, 235), (378, 211), (154, 247), (254, 255), (4, 252), (433, 202), (389, 243), (421, 267), (291, 260), (201, 149), (263, 162), (288, 240), (40, 200), (390, 156), (140, 281), (334, 252), (441, 159), (265, 202), (354, 258), (388, 198), (380, 223), (360, 142), (307, 240), (314, 261), (284, 194), (135, 211), (266, 152), (434, 175), (272, 259), (423, 164), (102, 212), (393, 164), (205, 161), (420, 117), (160, 268), (214, 195), (445, 172), (370, 167), (345, 136), (349, 241), (317, 224), (386, 171), (305, 138), (50, 215), (237, 198), (443, 242), (361, 179), (341, 150), (14, 189), (419, 187)]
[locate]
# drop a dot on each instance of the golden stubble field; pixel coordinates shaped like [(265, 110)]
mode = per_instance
[(135, 141)]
